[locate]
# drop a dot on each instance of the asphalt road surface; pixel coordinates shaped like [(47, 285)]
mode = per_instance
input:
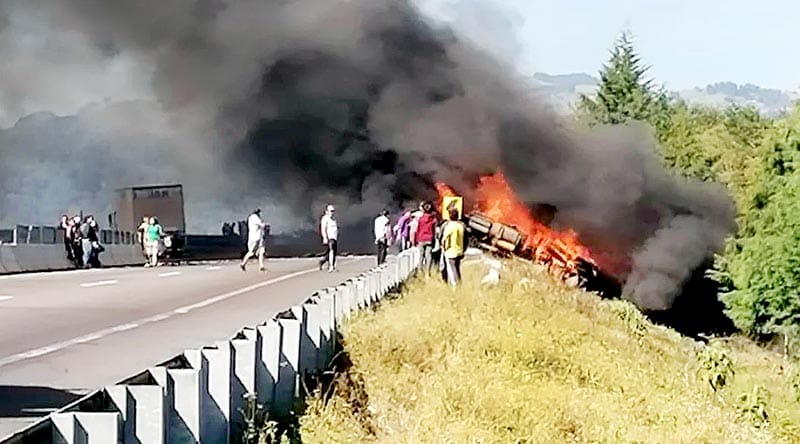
[(65, 334)]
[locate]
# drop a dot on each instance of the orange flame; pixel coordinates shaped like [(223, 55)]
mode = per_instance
[(496, 200), (444, 190)]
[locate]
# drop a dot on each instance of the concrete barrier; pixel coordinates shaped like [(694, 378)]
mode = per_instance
[(31, 257), (197, 397), (27, 248)]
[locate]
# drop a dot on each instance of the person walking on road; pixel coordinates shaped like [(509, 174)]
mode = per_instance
[(329, 230), (152, 239), (453, 247), (255, 240), (425, 235), (382, 233)]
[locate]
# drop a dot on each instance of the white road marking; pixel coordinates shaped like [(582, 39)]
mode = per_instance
[(5, 298), (213, 268), (60, 273), (152, 319), (99, 283), (170, 274), (41, 410), (222, 297)]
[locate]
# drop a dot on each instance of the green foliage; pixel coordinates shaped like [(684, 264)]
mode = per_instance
[(625, 93), (716, 365), (755, 157), (761, 266)]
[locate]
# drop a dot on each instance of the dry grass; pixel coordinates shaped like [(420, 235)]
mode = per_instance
[(531, 361)]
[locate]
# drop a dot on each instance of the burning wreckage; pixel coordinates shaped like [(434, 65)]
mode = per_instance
[(504, 226)]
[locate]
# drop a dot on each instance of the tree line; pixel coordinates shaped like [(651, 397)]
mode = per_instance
[(756, 157)]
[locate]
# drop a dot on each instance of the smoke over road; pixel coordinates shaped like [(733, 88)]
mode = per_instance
[(361, 103)]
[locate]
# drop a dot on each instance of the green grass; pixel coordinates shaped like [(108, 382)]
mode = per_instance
[(532, 361)]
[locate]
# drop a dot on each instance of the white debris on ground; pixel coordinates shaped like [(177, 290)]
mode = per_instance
[(471, 251), (493, 276)]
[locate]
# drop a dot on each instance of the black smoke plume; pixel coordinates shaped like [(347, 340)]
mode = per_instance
[(360, 103)]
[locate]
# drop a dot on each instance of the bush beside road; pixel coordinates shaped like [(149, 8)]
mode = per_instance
[(531, 360)]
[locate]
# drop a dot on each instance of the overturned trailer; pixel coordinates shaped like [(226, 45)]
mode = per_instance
[(552, 253)]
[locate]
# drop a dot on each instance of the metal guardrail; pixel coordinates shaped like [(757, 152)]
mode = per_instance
[(196, 397)]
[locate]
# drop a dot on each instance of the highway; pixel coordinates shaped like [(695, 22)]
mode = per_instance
[(67, 333)]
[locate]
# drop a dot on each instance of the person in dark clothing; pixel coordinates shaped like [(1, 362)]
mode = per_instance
[(243, 229), (90, 243), (64, 226), (77, 241)]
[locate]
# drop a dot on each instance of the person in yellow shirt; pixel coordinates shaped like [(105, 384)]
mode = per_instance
[(453, 247)]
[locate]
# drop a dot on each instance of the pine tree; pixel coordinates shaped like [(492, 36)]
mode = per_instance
[(625, 93)]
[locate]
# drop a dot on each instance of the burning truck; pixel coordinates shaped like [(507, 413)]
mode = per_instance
[(502, 225)]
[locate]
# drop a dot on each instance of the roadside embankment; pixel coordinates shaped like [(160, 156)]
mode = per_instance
[(530, 360)]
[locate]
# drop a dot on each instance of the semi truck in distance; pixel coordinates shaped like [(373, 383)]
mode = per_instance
[(162, 201)]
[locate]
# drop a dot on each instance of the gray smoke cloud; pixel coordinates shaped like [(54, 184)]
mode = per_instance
[(291, 105)]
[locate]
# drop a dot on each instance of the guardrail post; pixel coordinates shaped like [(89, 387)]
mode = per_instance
[(246, 355), (82, 427), (185, 388), (384, 278), (361, 292), (141, 409), (289, 366), (338, 305), (217, 405), (150, 413), (328, 327), (370, 287), (376, 285), (350, 302), (311, 342), (123, 402), (63, 427), (396, 273), (269, 365)]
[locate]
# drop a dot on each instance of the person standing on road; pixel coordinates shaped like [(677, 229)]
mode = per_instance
[(425, 235), (141, 232), (65, 225), (153, 237), (329, 230), (413, 225), (453, 247), (382, 233), (255, 240), (77, 242), (90, 242), (402, 229)]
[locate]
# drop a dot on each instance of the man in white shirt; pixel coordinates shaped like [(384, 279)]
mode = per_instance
[(382, 230), (255, 240), (329, 230)]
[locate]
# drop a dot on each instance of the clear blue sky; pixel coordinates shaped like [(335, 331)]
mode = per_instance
[(688, 43)]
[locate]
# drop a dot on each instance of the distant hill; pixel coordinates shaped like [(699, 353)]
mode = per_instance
[(563, 91)]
